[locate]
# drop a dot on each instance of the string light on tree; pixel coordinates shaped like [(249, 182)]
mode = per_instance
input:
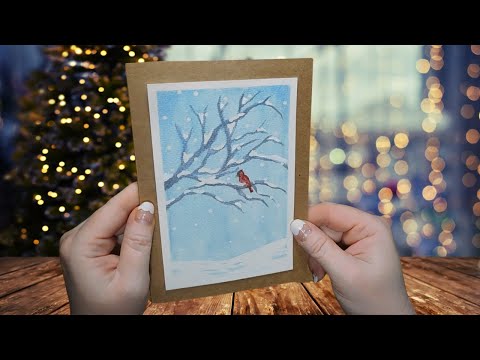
[(73, 115)]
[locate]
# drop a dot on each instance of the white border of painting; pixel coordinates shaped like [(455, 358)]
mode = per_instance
[(181, 274)]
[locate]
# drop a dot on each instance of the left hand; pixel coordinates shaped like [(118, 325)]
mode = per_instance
[(98, 281)]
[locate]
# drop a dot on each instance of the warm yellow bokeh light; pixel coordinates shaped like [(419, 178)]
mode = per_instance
[(349, 129), (350, 182), (386, 208), (354, 159), (118, 145), (383, 160), (61, 209), (116, 186), (368, 186), (404, 186), (423, 66), (86, 140), (472, 136), (401, 140), (413, 239), (121, 166), (45, 228), (429, 125), (438, 164), (429, 192), (435, 177), (440, 205), (354, 195), (410, 226), (441, 251), (473, 70), (476, 209), (78, 191), (401, 167), (431, 152), (383, 144), (427, 230), (385, 194), (101, 184), (472, 162)]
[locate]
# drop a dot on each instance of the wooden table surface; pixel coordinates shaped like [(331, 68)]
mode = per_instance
[(435, 286)]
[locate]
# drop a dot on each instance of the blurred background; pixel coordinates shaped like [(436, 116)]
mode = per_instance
[(395, 132)]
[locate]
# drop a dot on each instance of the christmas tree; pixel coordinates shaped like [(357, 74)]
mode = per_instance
[(75, 148)]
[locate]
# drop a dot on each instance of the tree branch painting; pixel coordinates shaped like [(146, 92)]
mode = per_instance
[(230, 147)]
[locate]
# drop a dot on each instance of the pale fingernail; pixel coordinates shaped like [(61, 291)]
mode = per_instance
[(300, 230), (315, 278), (145, 213)]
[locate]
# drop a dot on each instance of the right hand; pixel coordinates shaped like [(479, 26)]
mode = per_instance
[(367, 276)]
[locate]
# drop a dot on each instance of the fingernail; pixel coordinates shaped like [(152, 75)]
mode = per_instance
[(315, 278), (145, 213), (300, 230)]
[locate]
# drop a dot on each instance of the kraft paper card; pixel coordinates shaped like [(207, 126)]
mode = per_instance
[(222, 151)]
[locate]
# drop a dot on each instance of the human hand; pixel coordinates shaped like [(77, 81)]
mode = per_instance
[(98, 280), (367, 276)]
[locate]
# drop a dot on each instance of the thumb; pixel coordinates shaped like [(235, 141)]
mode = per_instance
[(136, 244), (321, 248)]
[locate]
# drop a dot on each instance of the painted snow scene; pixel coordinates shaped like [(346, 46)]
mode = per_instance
[(224, 158)]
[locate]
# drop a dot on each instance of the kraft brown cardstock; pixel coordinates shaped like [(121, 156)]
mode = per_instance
[(141, 74)]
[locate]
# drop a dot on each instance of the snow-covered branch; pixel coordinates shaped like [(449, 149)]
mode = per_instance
[(226, 142)]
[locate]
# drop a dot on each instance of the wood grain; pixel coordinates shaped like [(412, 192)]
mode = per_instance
[(210, 305), (429, 300), (323, 295), (464, 286), (9, 264), (469, 266), (64, 310), (290, 298), (42, 298), (22, 278), (434, 285)]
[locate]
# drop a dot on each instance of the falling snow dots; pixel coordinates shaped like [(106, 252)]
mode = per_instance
[(195, 93), (164, 117), (210, 211), (169, 147), (284, 103)]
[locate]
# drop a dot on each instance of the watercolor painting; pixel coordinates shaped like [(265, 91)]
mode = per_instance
[(224, 158)]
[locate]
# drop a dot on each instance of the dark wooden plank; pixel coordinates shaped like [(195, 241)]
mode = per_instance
[(210, 305), (41, 298), (429, 300), (454, 282), (22, 278), (64, 310), (9, 264), (290, 298), (322, 293), (469, 266)]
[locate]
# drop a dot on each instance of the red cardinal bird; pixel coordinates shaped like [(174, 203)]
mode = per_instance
[(243, 178)]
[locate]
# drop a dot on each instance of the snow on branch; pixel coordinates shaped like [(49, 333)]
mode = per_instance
[(225, 139)]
